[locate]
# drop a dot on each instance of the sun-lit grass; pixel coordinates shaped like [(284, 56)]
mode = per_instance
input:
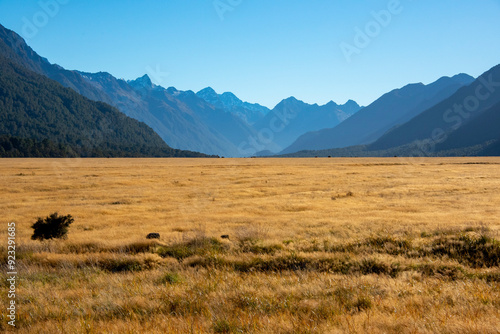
[(314, 245)]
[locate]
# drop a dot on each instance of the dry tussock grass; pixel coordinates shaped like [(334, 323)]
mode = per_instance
[(315, 245)]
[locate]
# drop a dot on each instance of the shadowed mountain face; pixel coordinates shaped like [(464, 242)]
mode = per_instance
[(180, 118), (393, 108), (485, 128), (449, 115), (41, 118), (492, 150)]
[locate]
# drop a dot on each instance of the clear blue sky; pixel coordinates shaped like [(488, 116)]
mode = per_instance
[(265, 50)]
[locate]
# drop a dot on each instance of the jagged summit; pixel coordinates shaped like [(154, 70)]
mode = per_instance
[(144, 81), (249, 112)]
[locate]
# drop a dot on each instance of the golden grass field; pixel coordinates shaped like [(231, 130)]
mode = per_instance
[(315, 245)]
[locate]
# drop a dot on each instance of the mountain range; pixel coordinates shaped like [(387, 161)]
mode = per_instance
[(205, 122), (249, 112), (393, 108), (464, 123), (451, 116), (41, 118)]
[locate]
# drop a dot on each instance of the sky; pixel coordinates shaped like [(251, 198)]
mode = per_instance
[(266, 50)]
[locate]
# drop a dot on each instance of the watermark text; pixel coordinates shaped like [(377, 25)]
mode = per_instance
[(11, 273)]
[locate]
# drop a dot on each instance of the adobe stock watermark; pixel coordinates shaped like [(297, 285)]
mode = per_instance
[(156, 74), (224, 6), (457, 114), (11, 274), (48, 10), (364, 36)]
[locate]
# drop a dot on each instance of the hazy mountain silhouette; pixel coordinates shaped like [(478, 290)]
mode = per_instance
[(178, 117), (292, 118), (393, 108), (464, 124), (249, 112)]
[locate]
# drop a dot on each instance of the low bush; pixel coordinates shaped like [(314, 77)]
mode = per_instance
[(476, 252), (52, 227)]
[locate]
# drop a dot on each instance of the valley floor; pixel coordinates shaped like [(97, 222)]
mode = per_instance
[(375, 245)]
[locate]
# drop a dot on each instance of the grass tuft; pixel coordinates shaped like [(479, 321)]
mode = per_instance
[(170, 278), (197, 246)]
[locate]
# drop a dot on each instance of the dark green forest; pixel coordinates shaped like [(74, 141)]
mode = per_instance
[(41, 118)]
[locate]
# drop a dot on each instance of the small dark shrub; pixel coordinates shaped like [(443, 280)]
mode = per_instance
[(52, 227), (477, 252)]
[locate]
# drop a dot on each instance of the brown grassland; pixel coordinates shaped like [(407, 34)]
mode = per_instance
[(315, 245)]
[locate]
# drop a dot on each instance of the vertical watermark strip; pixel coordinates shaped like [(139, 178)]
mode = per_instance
[(11, 273)]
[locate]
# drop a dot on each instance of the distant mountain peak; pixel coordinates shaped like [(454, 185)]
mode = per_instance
[(173, 91), (463, 78), (207, 90), (230, 96), (209, 95), (291, 99), (142, 82), (94, 76), (412, 86), (331, 103), (146, 80), (351, 104), (228, 101)]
